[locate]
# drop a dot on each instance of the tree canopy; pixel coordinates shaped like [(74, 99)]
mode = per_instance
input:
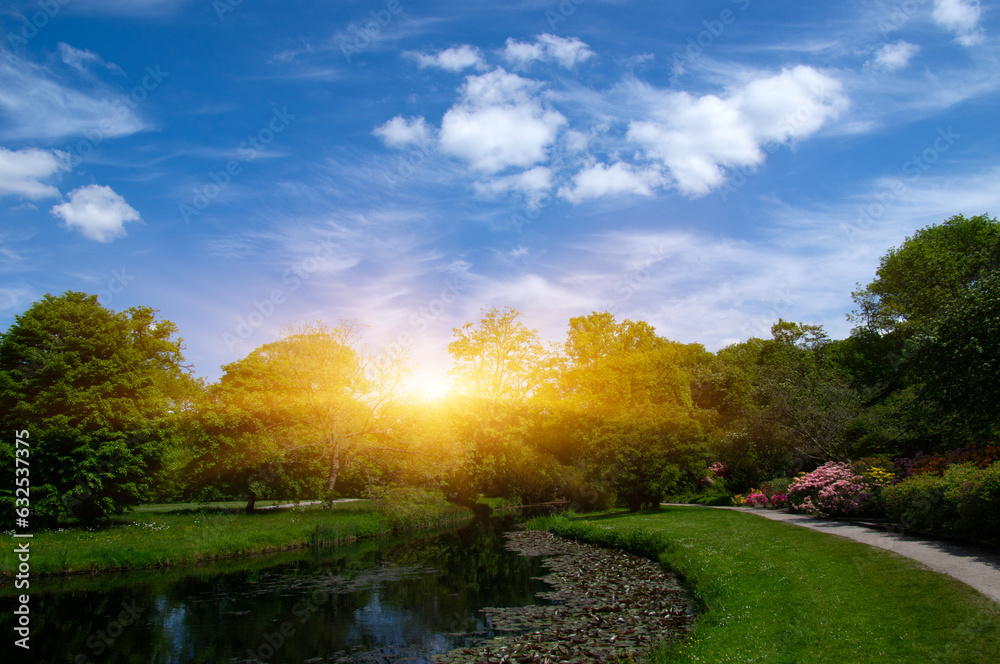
[(99, 391)]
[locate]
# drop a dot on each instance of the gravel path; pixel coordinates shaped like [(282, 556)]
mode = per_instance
[(975, 566)]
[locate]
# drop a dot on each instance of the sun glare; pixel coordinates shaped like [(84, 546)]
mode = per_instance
[(428, 386)]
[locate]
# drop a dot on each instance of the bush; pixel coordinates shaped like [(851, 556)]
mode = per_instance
[(977, 498), (833, 489), (963, 501), (918, 503)]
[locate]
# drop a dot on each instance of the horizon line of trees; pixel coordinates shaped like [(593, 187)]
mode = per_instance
[(614, 413)]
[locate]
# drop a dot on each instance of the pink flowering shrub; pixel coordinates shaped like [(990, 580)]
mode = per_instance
[(833, 489), (717, 471), (765, 498)]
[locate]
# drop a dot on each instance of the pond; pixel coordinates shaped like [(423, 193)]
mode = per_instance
[(385, 601)]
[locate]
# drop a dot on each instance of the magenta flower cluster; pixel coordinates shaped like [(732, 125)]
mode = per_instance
[(760, 499), (833, 489)]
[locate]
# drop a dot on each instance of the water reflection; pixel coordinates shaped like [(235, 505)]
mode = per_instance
[(389, 601)]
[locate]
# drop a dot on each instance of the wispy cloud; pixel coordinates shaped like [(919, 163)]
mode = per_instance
[(39, 105)]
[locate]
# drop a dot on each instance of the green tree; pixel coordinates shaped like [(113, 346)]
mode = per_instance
[(625, 408), (317, 392), (784, 404), (99, 392), (958, 360), (930, 269)]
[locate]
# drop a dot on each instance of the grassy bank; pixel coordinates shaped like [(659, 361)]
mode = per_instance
[(773, 592), (157, 537)]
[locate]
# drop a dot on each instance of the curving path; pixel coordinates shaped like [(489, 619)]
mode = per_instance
[(975, 566)]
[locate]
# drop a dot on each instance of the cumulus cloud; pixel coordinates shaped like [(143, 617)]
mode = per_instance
[(960, 17), (96, 212), (499, 122), (697, 138), (22, 172), (892, 57), (454, 59), (619, 178), (400, 132), (565, 51)]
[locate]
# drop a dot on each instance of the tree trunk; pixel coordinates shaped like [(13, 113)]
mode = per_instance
[(331, 480), (251, 499)]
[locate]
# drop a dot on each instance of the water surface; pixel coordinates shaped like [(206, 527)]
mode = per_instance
[(389, 601)]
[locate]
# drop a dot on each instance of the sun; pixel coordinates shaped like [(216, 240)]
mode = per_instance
[(427, 386)]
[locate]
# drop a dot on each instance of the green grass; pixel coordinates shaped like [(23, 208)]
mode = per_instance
[(163, 536), (777, 593), (219, 504)]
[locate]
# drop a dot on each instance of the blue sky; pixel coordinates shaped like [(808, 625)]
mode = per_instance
[(704, 166)]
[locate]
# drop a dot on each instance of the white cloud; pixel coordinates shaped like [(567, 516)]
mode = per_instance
[(21, 172), (892, 57), (533, 183), (400, 132), (454, 59), (619, 178), (697, 138), (566, 51), (38, 105), (96, 212), (80, 59), (960, 17), (499, 123)]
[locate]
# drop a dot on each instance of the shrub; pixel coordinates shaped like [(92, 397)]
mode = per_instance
[(833, 489), (937, 464), (963, 501), (918, 502), (977, 498)]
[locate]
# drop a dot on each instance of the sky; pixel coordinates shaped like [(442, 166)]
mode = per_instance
[(707, 167)]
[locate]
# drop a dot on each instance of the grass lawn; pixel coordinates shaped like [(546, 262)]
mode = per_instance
[(218, 505), (170, 535), (774, 592)]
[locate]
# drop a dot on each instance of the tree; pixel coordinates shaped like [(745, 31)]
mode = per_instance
[(499, 365), (317, 391), (99, 392), (930, 269), (642, 457), (958, 360), (499, 359), (626, 409), (784, 404)]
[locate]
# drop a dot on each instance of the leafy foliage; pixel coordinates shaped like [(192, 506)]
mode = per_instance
[(98, 391)]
